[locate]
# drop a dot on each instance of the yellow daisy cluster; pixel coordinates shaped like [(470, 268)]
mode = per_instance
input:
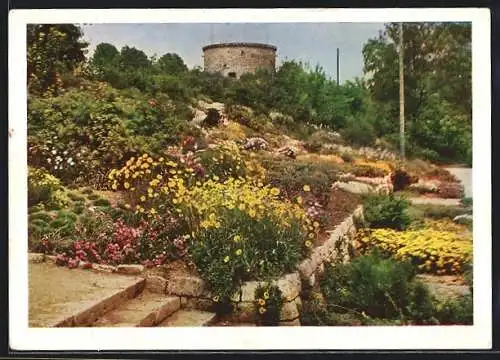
[(433, 251), (147, 180), (205, 201), (229, 160), (261, 302)]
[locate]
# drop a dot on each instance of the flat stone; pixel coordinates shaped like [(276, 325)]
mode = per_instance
[(290, 286), (248, 290), (289, 311), (186, 286), (36, 257), (355, 187), (305, 268), (197, 304), (463, 219), (103, 268), (191, 318), (130, 269), (156, 284)]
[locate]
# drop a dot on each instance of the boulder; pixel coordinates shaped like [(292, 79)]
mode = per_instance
[(289, 151), (255, 143), (464, 219), (354, 187)]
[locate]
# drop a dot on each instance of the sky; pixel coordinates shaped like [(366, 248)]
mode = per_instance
[(313, 43)]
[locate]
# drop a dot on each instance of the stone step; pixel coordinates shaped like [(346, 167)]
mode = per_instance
[(147, 309), (192, 318)]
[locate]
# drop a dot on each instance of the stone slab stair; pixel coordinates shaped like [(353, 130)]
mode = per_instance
[(150, 309)]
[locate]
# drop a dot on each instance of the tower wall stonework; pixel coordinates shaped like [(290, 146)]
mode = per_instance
[(236, 59)]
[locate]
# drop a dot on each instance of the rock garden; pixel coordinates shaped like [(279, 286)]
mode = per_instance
[(210, 201)]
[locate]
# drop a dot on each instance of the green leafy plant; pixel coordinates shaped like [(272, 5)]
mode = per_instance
[(243, 248), (383, 211), (268, 304)]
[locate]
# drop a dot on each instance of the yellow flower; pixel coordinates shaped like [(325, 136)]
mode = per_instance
[(114, 186), (266, 295), (262, 302), (158, 177), (143, 198), (308, 243), (127, 206), (316, 224), (237, 238), (252, 213), (216, 178), (238, 252), (275, 191), (226, 259), (161, 159), (262, 310), (299, 199), (311, 235), (215, 299), (307, 188), (126, 185), (242, 207)]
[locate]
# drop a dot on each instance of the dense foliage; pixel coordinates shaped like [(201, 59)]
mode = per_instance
[(372, 290)]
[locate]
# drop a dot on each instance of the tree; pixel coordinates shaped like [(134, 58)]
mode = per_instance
[(437, 62), (52, 50), (132, 58), (172, 64), (105, 57)]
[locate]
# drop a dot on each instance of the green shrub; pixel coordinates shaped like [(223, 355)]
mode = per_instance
[(75, 196), (378, 287), (102, 202), (381, 211), (93, 197), (40, 216), (291, 176), (268, 305), (245, 248), (436, 211), (466, 202), (456, 311), (41, 186)]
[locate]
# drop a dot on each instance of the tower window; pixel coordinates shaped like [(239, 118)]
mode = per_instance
[(232, 74)]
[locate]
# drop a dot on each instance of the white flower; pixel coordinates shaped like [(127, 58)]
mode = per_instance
[(65, 152), (49, 160), (55, 167), (54, 151), (70, 160), (77, 154), (72, 163), (55, 137)]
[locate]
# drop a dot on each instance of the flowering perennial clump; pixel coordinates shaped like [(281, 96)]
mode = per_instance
[(433, 251)]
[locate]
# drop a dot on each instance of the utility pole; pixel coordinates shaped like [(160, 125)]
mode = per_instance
[(338, 66), (401, 93)]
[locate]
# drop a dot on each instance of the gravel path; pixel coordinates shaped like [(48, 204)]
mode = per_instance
[(465, 177)]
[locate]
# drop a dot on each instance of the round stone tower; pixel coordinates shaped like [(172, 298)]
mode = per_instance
[(236, 59)]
